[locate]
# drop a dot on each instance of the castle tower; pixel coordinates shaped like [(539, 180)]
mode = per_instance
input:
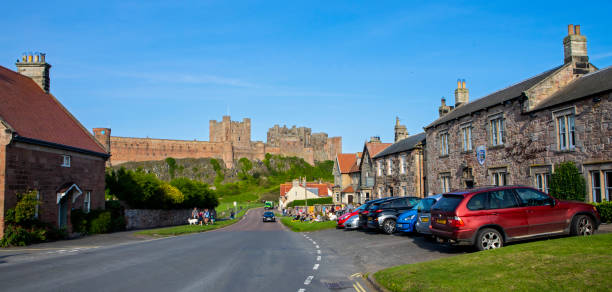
[(462, 94), (103, 136), (35, 67), (400, 130), (575, 46), (444, 109)]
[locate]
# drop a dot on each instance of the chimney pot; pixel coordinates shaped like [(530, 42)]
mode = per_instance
[(463, 83), (570, 29), (577, 28), (458, 83)]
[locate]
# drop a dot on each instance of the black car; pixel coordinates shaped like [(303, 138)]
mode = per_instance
[(363, 215), (384, 214), (269, 217)]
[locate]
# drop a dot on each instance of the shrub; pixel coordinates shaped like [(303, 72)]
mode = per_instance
[(21, 226), (605, 211), (567, 183), (311, 202), (101, 224)]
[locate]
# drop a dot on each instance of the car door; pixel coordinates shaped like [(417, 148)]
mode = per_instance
[(543, 215), (505, 211)]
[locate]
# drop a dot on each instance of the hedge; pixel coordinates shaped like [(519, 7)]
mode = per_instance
[(311, 202), (605, 211)]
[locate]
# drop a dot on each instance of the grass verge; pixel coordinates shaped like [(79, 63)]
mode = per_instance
[(307, 226), (186, 229), (565, 264)]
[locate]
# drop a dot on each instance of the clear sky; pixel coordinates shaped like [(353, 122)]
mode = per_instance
[(163, 69)]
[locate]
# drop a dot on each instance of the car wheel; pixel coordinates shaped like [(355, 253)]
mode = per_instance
[(489, 239), (389, 226), (582, 225)]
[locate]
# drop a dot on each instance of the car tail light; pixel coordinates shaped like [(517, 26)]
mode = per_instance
[(378, 211), (364, 212), (456, 222)]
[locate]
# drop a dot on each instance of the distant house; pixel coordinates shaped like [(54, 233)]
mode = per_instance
[(344, 166), (43, 148), (367, 171), (295, 190)]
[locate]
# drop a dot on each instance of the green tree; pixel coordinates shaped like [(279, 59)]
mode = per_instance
[(197, 194), (567, 183)]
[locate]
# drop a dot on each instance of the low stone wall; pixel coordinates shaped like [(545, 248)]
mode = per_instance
[(143, 218)]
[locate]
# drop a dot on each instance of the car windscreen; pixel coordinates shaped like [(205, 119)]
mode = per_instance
[(448, 203), (268, 214)]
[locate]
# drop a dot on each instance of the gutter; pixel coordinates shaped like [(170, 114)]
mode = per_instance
[(59, 146)]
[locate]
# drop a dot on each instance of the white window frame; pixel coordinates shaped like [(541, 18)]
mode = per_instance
[(499, 177), (542, 181), (403, 164), (379, 167), (37, 205), (608, 187), (466, 137), (566, 132), (66, 160), (444, 144), (389, 166), (497, 131), (596, 176), (87, 202), (445, 182)]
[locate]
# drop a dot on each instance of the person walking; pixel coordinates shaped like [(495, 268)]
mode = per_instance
[(194, 213), (200, 217), (206, 216), (213, 216)]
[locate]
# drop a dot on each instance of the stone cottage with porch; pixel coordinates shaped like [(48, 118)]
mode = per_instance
[(44, 148), (518, 134)]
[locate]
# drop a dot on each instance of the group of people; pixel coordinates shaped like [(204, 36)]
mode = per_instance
[(312, 217), (204, 216)]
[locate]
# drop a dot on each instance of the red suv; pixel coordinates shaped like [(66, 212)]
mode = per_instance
[(489, 217)]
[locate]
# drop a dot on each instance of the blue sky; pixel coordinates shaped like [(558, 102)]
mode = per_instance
[(163, 69)]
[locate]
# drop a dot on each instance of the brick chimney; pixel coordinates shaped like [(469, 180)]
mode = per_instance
[(375, 139), (35, 67), (400, 130), (575, 45), (462, 94), (444, 109)]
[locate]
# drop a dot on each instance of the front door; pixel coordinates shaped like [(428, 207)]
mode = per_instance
[(350, 199), (63, 213)]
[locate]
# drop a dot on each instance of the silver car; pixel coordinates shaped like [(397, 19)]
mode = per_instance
[(424, 213), (352, 223)]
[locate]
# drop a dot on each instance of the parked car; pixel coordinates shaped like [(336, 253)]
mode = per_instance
[(352, 222), (342, 219), (268, 216), (490, 217), (363, 214), (383, 215), (418, 218)]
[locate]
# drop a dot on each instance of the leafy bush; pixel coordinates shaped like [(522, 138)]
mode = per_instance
[(567, 183), (171, 166), (101, 224), (196, 194), (311, 202), (21, 228), (605, 211)]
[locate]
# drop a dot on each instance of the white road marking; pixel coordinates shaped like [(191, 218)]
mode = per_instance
[(314, 242), (318, 258), (302, 290), (317, 246), (316, 267), (318, 251), (308, 280), (355, 275)]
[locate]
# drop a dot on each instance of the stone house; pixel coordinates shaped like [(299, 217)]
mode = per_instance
[(367, 171), (516, 135), (345, 177), (44, 148), (400, 168)]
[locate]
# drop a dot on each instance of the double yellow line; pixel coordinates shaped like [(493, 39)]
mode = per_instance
[(358, 287)]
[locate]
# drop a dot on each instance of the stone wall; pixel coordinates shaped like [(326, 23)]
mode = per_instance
[(530, 145), (409, 183), (143, 218)]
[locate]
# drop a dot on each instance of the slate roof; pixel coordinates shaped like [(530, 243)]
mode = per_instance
[(494, 98), (38, 117), (403, 145), (587, 85)]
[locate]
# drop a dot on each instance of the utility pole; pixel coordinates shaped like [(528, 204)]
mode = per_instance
[(305, 197)]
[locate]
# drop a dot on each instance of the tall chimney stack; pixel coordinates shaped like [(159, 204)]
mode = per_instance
[(35, 67), (575, 46), (400, 130), (462, 94)]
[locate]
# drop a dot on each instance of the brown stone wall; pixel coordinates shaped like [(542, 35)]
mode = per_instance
[(141, 218), (409, 183), (32, 167), (531, 143)]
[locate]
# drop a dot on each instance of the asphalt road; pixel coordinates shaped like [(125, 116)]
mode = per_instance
[(247, 256)]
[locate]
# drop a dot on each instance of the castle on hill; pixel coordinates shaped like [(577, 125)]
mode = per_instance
[(229, 141)]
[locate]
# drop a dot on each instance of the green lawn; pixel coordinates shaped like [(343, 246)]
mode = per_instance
[(307, 226), (185, 229), (565, 264)]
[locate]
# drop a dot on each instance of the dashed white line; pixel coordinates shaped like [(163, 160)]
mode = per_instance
[(316, 267), (308, 280), (317, 246), (314, 242), (302, 290), (318, 251), (318, 258)]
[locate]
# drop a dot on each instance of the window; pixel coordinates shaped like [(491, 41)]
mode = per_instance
[(608, 175), (596, 186), (444, 144), (66, 160), (466, 135), (87, 202), (379, 167), (389, 164), (502, 199), (566, 132), (499, 177), (529, 197), (404, 191), (478, 202), (445, 182), (541, 182), (37, 204), (402, 164), (497, 131)]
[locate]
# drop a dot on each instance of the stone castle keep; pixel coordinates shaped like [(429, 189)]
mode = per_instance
[(229, 140)]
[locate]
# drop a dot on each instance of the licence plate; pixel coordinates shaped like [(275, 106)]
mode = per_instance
[(370, 218), (441, 221), (424, 219), (400, 225)]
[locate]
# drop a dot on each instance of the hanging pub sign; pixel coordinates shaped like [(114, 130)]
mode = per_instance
[(481, 154)]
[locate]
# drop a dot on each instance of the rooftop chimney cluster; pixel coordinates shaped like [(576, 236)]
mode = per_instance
[(462, 94), (35, 66), (575, 45)]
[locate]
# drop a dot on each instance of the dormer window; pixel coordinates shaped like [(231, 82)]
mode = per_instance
[(65, 160)]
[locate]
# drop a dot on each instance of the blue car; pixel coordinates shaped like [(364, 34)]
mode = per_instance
[(418, 218)]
